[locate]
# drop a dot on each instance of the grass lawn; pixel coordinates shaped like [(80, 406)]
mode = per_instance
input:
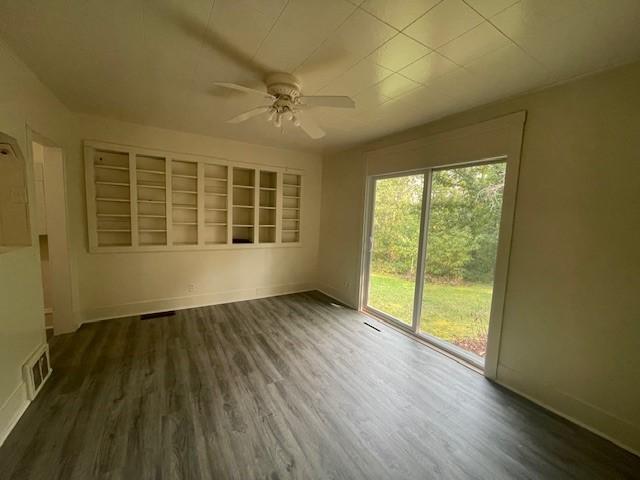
[(449, 312)]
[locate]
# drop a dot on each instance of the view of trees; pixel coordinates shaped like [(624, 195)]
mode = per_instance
[(463, 223)]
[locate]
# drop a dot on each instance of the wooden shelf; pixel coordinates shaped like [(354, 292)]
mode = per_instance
[(243, 206), (289, 196), (113, 230), (105, 199), (152, 230), (291, 208), (217, 179), (214, 224), (111, 167), (267, 226), (216, 209), (184, 207), (180, 175), (292, 231), (163, 202), (151, 216), (191, 192), (113, 184), (268, 189), (211, 194), (243, 225), (248, 187), (267, 208), (117, 215), (155, 172), (185, 223), (146, 185)]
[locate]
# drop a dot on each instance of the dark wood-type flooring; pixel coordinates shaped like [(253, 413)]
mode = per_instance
[(284, 387)]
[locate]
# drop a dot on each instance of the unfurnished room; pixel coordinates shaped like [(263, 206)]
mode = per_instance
[(319, 239)]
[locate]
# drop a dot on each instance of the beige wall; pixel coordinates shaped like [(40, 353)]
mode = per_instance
[(23, 100), (571, 332), (124, 283), (107, 285)]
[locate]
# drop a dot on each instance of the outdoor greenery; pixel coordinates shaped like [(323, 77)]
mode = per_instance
[(464, 216), (449, 312)]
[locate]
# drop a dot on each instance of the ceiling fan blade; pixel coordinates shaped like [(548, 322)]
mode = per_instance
[(254, 112), (328, 101), (241, 88), (309, 126)]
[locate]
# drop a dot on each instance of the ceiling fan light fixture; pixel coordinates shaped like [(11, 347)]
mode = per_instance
[(288, 103)]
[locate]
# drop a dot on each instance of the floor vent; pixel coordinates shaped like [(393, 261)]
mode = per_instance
[(375, 328), (149, 316), (36, 371)]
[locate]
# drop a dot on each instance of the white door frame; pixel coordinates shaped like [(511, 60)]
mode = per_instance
[(64, 319), (499, 139)]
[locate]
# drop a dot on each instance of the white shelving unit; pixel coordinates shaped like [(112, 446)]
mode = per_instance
[(112, 193), (151, 186), (244, 205), (291, 207), (183, 202), (267, 197)]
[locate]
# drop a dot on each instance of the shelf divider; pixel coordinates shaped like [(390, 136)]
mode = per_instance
[(168, 209), (200, 203), (133, 194)]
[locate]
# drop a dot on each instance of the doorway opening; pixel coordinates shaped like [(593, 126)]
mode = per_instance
[(433, 242), (51, 228)]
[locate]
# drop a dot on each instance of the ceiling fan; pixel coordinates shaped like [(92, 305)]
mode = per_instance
[(287, 103)]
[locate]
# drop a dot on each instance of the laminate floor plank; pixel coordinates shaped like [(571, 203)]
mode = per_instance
[(284, 387)]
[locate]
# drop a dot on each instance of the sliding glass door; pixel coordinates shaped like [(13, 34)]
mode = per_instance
[(462, 238), (434, 239), (394, 246)]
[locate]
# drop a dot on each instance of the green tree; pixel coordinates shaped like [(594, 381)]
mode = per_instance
[(464, 219)]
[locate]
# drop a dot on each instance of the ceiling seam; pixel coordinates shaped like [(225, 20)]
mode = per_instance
[(205, 30), (355, 8), (273, 25), (488, 20)]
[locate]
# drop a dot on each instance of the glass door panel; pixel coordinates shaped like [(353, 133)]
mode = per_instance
[(462, 237), (395, 237)]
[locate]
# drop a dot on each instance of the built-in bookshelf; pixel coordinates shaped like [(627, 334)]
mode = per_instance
[(267, 209), (244, 203), (216, 204), (291, 207), (184, 202), (145, 200), (151, 186), (112, 190)]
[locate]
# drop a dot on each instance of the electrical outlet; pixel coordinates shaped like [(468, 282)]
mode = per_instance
[(191, 288)]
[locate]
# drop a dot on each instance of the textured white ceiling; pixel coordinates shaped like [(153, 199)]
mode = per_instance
[(405, 62)]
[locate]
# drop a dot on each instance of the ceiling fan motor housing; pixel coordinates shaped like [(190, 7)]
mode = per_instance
[(283, 85)]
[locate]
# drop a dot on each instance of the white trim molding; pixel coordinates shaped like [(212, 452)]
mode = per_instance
[(12, 410), (109, 312)]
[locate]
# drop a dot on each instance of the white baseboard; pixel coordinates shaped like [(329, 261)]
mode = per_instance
[(590, 417), (180, 303), (12, 410), (333, 293)]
